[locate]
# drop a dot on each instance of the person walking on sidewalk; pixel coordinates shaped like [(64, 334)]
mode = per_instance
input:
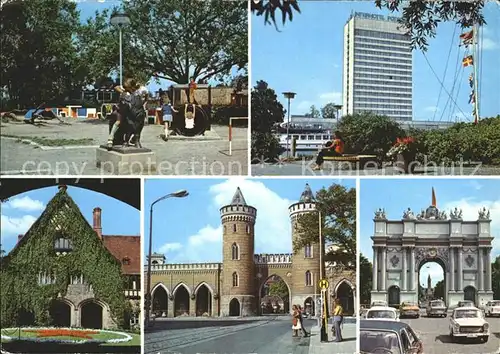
[(301, 320), (338, 318), (296, 326)]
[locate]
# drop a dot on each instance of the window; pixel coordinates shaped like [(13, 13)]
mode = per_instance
[(235, 279), (235, 252), (63, 245), (308, 251), (405, 341), (234, 227), (126, 261), (225, 228), (154, 262), (248, 229), (308, 278)]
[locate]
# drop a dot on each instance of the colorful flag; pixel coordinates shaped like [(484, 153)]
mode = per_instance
[(467, 38), (472, 98), (434, 204), (467, 61)]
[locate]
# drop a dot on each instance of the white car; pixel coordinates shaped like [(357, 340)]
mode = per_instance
[(382, 313), (379, 303), (468, 322), (492, 308)]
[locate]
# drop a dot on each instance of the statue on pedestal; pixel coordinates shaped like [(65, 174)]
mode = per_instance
[(380, 214), (408, 214), (484, 214), (456, 214)]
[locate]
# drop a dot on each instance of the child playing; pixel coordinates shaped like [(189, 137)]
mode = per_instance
[(189, 114), (168, 111)]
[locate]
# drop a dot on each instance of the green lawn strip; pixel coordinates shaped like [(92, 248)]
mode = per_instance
[(52, 142)]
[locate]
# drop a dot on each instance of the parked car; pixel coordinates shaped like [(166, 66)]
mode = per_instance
[(388, 337), (436, 308), (379, 303), (492, 308), (409, 309), (466, 303), (468, 322), (382, 313)]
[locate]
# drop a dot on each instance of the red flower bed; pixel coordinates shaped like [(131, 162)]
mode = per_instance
[(405, 141), (62, 332)]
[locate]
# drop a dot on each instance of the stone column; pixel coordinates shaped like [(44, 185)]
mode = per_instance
[(412, 269), (452, 269), (375, 269), (480, 265), (488, 269), (460, 270), (405, 270), (383, 273)]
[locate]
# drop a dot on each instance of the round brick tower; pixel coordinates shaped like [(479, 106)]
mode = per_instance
[(305, 263), (238, 290)]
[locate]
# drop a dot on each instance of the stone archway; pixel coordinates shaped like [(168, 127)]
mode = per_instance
[(275, 287), (394, 296), (181, 301), (160, 301), (203, 301), (234, 307), (429, 293), (470, 293), (91, 315), (345, 293), (60, 313)]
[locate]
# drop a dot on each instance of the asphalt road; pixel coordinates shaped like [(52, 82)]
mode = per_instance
[(273, 336), (434, 333)]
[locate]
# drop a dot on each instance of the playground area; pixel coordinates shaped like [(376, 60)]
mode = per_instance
[(69, 148)]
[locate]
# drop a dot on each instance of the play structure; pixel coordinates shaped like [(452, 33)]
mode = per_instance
[(231, 132)]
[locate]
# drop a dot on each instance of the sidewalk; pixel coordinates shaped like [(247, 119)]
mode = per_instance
[(348, 346)]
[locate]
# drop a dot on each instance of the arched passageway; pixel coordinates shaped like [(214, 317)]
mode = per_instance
[(181, 302), (234, 308), (203, 301), (275, 295), (346, 296), (470, 294), (160, 302), (60, 314), (91, 313)]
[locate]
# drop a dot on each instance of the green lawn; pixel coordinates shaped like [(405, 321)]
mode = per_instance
[(136, 338)]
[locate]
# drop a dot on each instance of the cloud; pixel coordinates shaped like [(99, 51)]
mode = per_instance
[(434, 270), (166, 248), (470, 208), (328, 97), (489, 44), (476, 185), (431, 109), (16, 226), (25, 204), (324, 98)]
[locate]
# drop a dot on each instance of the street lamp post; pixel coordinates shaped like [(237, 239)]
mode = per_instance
[(120, 20), (147, 303), (337, 107), (324, 297), (290, 96)]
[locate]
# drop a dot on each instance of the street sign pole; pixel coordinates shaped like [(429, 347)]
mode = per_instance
[(324, 317)]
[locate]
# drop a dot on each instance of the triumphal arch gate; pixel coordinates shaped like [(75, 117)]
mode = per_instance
[(402, 247)]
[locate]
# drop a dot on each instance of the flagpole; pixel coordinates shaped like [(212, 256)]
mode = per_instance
[(475, 64)]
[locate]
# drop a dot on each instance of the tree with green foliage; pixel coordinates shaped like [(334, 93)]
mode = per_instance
[(365, 279), (439, 290), (267, 112), (329, 111), (495, 278), (279, 288), (368, 133), (337, 205), (419, 17), (40, 60), (174, 39), (313, 112)]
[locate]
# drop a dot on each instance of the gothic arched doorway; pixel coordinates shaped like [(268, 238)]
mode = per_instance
[(60, 313), (309, 306), (181, 301), (160, 302), (346, 296), (91, 313), (203, 301), (470, 293), (394, 298), (234, 307), (275, 295)]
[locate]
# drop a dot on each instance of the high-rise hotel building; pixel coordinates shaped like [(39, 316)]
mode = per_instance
[(377, 67)]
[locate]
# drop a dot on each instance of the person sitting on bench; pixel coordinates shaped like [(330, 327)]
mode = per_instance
[(332, 148)]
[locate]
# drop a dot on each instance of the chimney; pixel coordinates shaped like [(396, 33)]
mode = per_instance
[(62, 187), (97, 222), (19, 237)]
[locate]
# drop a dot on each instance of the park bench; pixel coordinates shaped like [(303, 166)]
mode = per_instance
[(360, 161)]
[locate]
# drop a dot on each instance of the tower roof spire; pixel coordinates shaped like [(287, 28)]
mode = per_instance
[(238, 198), (307, 195), (434, 204)]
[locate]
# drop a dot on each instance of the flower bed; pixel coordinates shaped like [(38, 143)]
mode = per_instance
[(65, 335)]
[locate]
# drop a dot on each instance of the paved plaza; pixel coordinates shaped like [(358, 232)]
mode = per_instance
[(259, 335), (305, 168), (434, 333), (70, 149)]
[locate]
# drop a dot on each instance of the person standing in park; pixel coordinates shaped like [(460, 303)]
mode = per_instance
[(338, 318), (192, 89), (167, 110)]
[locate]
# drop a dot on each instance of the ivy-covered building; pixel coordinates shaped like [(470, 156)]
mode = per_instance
[(65, 272)]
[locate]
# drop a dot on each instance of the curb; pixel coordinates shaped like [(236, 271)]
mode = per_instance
[(44, 147)]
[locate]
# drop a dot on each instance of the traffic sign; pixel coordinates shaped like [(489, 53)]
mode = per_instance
[(323, 284)]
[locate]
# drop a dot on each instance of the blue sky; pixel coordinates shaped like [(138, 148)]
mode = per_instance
[(189, 230), (306, 57), (88, 9), (22, 210), (396, 195)]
